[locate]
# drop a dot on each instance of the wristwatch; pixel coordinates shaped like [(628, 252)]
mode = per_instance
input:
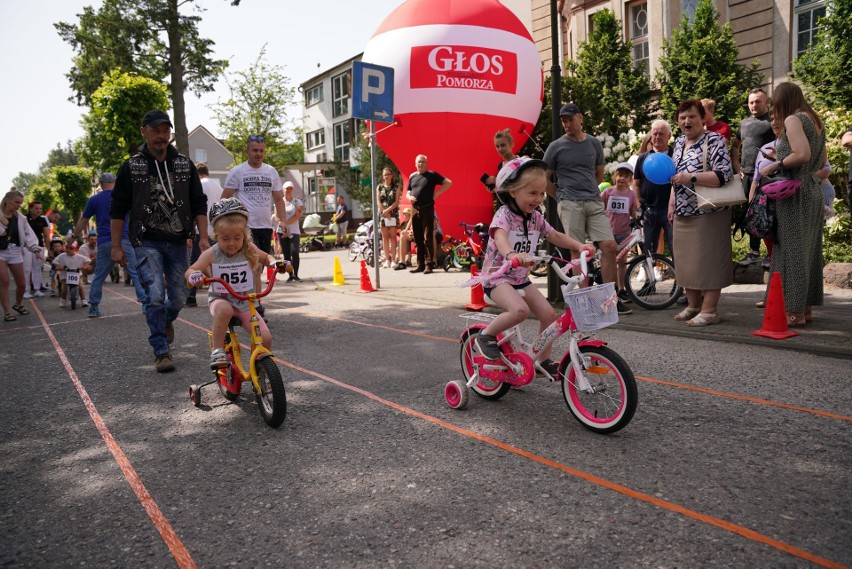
[(693, 179)]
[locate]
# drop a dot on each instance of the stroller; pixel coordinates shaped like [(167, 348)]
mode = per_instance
[(362, 244), (314, 229)]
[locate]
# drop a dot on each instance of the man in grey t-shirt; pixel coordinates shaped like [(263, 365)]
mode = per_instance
[(577, 159)]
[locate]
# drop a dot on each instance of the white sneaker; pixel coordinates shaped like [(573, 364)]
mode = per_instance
[(85, 303), (38, 294), (28, 294), (63, 303)]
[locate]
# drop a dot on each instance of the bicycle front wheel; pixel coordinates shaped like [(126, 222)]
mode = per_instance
[(353, 252), (610, 402), (651, 282), (485, 388), (272, 400)]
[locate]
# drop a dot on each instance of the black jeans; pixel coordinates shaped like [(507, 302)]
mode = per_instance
[(290, 249), (263, 239), (657, 219), (423, 227)]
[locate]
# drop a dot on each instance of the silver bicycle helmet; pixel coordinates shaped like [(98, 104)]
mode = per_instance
[(225, 207)]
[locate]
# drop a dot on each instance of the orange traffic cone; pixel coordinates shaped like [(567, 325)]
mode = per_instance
[(477, 294), (366, 284), (775, 315)]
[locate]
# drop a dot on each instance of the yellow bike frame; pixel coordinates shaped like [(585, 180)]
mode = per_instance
[(233, 346)]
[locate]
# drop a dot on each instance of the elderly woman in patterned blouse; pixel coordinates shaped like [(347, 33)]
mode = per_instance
[(702, 253)]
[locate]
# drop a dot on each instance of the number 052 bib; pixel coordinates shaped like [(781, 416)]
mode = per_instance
[(237, 274)]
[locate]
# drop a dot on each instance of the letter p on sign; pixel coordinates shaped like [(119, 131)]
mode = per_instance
[(372, 87)]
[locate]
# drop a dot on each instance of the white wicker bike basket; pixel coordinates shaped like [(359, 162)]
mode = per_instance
[(594, 307)]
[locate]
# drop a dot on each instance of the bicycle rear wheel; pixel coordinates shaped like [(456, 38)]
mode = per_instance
[(612, 400), (485, 388), (651, 282), (272, 399)]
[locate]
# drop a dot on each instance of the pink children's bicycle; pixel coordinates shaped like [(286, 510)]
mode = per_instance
[(597, 384)]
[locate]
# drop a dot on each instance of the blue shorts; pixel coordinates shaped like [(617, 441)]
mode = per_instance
[(524, 284)]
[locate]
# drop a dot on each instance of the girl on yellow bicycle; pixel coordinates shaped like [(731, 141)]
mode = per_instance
[(233, 258)]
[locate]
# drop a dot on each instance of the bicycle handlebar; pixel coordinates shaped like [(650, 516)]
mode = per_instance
[(235, 294), (582, 262)]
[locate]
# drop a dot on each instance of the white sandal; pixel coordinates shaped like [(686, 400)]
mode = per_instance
[(687, 314), (704, 319)]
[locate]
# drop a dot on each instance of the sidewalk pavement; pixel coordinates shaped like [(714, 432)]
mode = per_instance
[(829, 334)]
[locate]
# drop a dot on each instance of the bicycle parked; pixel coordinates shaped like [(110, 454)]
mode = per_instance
[(262, 370), (649, 279), (597, 384), (461, 254)]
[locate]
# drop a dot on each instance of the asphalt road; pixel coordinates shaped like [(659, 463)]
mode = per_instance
[(738, 456)]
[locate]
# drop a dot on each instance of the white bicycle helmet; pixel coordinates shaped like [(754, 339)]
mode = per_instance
[(225, 207)]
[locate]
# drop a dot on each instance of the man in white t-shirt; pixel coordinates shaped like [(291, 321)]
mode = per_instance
[(257, 185)]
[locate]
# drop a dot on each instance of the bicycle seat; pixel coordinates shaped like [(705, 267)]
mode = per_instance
[(235, 322)]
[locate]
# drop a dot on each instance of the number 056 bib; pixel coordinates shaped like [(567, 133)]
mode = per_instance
[(238, 275)]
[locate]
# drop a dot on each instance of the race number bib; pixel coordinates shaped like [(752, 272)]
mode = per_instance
[(72, 278), (523, 244), (238, 275), (618, 204)]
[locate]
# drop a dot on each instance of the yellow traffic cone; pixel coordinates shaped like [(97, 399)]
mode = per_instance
[(338, 273)]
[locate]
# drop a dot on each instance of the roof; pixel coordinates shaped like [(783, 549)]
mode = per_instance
[(329, 70)]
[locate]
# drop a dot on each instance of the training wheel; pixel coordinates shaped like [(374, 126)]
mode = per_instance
[(456, 394), (195, 395)]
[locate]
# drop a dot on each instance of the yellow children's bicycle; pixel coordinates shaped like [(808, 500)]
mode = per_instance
[(262, 370)]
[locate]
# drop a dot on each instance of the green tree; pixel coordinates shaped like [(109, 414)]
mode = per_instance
[(73, 188), (614, 94), (260, 101), (700, 60), (825, 68), (112, 126), (151, 38)]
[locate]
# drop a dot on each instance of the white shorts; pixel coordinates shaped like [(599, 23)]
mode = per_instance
[(12, 255)]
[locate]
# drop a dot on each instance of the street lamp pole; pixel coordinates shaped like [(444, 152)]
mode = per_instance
[(556, 130)]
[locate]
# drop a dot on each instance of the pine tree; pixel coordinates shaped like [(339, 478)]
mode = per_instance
[(700, 61)]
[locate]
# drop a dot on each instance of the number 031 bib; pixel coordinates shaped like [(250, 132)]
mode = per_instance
[(237, 274)]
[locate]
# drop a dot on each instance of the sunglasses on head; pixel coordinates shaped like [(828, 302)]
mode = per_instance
[(258, 138)]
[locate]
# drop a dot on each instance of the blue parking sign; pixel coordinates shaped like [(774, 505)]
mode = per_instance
[(372, 92)]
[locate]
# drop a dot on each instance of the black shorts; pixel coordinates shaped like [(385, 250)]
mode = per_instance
[(524, 284)]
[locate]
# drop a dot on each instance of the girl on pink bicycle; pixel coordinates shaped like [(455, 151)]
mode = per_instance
[(233, 258), (514, 232)]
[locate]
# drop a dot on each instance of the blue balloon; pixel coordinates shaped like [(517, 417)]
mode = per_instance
[(659, 167)]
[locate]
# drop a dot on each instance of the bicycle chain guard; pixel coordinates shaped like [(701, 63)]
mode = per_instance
[(498, 371)]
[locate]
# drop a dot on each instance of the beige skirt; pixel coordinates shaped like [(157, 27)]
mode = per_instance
[(702, 250)]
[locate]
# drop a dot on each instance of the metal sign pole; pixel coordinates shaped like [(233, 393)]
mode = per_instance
[(376, 220)]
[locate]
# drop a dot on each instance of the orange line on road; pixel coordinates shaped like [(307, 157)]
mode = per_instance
[(175, 545), (598, 481), (746, 398)]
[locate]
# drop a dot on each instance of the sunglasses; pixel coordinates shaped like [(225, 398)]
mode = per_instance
[(257, 138)]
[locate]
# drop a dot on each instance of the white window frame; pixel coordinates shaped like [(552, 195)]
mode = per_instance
[(313, 95), (342, 137), (802, 8), (340, 95), (315, 139), (200, 155), (639, 41)]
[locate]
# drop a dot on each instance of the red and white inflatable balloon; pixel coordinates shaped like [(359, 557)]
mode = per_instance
[(463, 69)]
